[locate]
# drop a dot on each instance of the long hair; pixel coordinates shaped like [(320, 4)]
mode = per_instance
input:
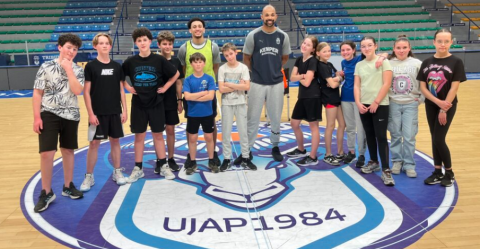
[(399, 39)]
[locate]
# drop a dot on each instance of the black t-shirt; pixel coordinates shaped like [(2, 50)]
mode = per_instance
[(329, 95), (312, 91), (439, 73), (146, 75), (170, 98), (105, 86)]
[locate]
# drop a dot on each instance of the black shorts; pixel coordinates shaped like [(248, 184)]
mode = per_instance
[(309, 110), (193, 124), (109, 126), (141, 117), (171, 117), (53, 126), (214, 106)]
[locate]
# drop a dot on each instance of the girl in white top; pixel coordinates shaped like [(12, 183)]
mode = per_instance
[(405, 97)]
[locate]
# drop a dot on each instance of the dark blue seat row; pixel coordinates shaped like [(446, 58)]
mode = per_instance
[(314, 1), (97, 19), (178, 43), (84, 37), (210, 33), (332, 30), (327, 21), (81, 28), (50, 47), (319, 6), (322, 13), (339, 38), (82, 5), (89, 12), (186, 17), (201, 2), (209, 25), (219, 9)]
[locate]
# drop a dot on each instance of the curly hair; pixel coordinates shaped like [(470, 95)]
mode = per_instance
[(73, 39), (139, 32)]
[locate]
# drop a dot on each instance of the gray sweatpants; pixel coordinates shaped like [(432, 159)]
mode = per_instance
[(272, 96), (354, 127), (240, 113)]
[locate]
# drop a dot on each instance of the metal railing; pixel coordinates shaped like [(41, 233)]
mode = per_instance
[(120, 22), (470, 21), (293, 17)]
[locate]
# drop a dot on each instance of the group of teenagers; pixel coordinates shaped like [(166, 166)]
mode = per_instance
[(376, 93)]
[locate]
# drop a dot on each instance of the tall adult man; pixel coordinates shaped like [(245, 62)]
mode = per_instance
[(265, 51), (209, 49)]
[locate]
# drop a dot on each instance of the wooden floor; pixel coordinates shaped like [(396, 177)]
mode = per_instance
[(19, 160)]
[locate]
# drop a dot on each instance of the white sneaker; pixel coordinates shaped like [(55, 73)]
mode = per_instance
[(118, 177), (167, 172), (411, 173), (137, 173), (397, 167), (87, 183), (387, 177)]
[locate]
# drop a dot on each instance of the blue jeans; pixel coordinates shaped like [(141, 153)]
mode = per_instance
[(403, 127)]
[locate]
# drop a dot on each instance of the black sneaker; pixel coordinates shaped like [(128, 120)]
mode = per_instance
[(216, 159), (212, 166), (297, 153), (225, 165), (307, 161), (72, 192), (448, 179), (238, 160), (349, 157), (247, 163), (43, 201), (190, 168), (330, 159), (173, 165), (435, 178), (276, 154), (340, 157), (360, 162)]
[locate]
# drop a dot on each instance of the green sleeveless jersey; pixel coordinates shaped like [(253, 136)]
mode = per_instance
[(206, 50)]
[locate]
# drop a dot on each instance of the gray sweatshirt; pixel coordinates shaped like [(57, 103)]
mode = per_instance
[(405, 88)]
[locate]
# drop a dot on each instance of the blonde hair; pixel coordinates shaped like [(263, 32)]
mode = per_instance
[(228, 46), (97, 37), (321, 46)]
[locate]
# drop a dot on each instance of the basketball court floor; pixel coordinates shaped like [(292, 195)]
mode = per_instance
[(280, 205)]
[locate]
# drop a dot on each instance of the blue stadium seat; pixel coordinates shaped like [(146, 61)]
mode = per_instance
[(327, 30), (213, 33), (54, 37), (337, 30), (50, 47), (239, 42), (88, 46), (322, 38), (335, 47), (178, 43), (332, 21), (230, 33)]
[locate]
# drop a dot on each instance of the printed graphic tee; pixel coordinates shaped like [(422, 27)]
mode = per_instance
[(193, 84), (233, 75)]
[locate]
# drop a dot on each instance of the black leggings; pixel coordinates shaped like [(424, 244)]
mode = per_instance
[(375, 126), (441, 153)]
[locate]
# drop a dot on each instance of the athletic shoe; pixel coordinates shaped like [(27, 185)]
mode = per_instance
[(87, 183), (330, 159), (136, 174), (449, 179), (190, 168), (387, 177), (411, 173), (239, 159), (349, 157), (216, 159), (72, 192), (370, 167), (307, 161), (213, 166), (43, 201), (225, 165), (173, 165), (247, 163), (340, 157), (297, 153), (276, 154), (167, 172), (118, 177), (397, 167), (360, 161), (435, 178), (158, 166)]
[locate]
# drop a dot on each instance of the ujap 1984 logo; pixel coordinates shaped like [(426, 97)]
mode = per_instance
[(281, 205)]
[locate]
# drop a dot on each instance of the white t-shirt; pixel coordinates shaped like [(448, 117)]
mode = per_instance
[(233, 75)]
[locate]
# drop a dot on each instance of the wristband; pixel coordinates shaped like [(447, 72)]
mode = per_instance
[(178, 100), (442, 111)]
